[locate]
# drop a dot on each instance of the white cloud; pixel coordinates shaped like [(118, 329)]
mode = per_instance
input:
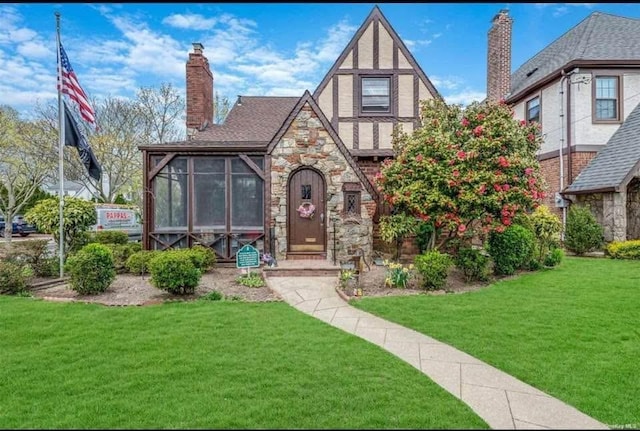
[(446, 82), (190, 21), (33, 49), (465, 97)]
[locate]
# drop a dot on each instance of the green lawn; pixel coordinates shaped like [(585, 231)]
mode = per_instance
[(573, 332), (204, 365)]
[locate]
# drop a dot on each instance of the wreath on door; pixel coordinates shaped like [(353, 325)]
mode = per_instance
[(306, 210)]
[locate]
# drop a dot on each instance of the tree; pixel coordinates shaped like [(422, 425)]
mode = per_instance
[(26, 161), (470, 171), (160, 109), (221, 108)]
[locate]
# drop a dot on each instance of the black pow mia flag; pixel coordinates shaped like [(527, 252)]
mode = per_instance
[(73, 137)]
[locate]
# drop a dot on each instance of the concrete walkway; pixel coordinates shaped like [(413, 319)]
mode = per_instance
[(504, 402)]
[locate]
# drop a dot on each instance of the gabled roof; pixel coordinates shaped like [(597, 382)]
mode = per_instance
[(599, 37), (376, 14), (615, 164), (252, 119), (307, 98)]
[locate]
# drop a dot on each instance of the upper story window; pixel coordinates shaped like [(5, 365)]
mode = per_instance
[(607, 98), (376, 94), (533, 110)]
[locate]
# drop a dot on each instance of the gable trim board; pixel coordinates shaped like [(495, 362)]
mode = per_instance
[(376, 17), (307, 98)]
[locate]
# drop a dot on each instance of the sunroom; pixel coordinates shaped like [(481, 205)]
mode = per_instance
[(214, 197)]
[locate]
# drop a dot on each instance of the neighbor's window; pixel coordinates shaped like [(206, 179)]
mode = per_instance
[(533, 110), (607, 100), (375, 94)]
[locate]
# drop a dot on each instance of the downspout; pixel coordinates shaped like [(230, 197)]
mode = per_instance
[(563, 80)]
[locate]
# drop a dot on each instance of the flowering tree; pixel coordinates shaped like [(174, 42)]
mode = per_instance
[(467, 171)]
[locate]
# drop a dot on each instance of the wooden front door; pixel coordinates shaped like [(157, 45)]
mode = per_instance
[(306, 193)]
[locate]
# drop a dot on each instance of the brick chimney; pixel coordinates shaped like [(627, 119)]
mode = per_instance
[(199, 91), (499, 57)]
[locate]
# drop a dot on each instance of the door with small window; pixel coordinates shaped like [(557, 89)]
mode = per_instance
[(306, 212)]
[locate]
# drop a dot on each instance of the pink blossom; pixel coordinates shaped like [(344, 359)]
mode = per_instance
[(480, 117), (461, 228), (456, 173), (506, 187), (531, 137), (461, 155), (478, 130), (528, 171), (523, 122), (503, 162), (482, 189), (497, 187), (464, 122), (500, 229), (419, 158)]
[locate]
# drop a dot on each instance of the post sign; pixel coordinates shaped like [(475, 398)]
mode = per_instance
[(248, 257)]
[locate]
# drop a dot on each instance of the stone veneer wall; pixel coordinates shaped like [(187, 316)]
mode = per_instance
[(610, 210), (633, 209), (307, 143)]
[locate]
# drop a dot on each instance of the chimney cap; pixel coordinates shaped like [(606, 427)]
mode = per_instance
[(502, 12), (239, 100), (197, 47)]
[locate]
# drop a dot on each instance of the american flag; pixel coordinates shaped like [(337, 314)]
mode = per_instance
[(71, 87)]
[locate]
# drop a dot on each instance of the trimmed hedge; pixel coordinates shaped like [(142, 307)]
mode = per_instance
[(434, 268), (91, 269), (175, 272), (511, 250), (624, 249)]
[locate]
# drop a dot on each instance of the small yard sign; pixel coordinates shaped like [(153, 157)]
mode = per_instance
[(248, 257)]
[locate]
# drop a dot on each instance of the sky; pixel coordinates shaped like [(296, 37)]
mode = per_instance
[(257, 49)]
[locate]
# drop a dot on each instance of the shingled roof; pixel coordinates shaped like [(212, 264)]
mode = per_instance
[(253, 119), (613, 165), (598, 37)]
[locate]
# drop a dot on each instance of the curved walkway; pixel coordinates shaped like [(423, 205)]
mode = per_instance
[(503, 401)]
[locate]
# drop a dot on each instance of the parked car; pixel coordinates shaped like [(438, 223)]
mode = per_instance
[(19, 226), (118, 217)]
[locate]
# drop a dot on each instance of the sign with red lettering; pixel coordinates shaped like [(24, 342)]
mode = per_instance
[(118, 215)]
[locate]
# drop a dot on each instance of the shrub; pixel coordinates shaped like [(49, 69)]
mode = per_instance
[(473, 264), (624, 249), (91, 269), (111, 237), (546, 227), (554, 257), (434, 267), (174, 271), (202, 257), (214, 295), (79, 215), (582, 231), (138, 262), (511, 249), (13, 277), (253, 279), (424, 230), (121, 253), (397, 274), (33, 253)]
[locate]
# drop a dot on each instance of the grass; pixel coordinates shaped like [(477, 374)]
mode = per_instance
[(204, 364), (573, 332)]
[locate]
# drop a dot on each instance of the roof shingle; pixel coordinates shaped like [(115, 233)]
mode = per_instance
[(600, 36), (256, 119)]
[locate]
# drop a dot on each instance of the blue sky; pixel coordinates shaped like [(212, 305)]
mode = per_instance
[(277, 49)]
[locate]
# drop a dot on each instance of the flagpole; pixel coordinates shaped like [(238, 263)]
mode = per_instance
[(61, 127)]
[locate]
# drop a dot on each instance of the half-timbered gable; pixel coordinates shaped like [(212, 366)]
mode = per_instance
[(374, 85)]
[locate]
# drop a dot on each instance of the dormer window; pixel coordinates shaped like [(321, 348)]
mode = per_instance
[(533, 110), (376, 95)]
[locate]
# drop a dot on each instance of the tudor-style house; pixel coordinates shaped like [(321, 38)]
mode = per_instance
[(292, 176), (584, 91)]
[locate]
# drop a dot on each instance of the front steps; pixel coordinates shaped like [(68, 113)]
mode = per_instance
[(302, 268)]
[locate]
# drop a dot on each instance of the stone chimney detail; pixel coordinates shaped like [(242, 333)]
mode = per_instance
[(199, 91), (499, 57)]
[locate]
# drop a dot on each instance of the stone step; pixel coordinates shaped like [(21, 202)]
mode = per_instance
[(302, 268)]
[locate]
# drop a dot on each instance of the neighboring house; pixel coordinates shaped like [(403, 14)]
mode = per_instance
[(70, 188), (292, 176), (584, 90)]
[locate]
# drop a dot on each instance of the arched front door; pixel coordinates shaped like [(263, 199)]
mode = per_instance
[(306, 212)]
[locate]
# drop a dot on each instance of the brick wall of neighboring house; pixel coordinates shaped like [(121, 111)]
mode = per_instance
[(499, 57), (199, 92), (550, 169)]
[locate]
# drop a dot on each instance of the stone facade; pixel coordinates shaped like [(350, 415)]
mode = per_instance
[(610, 211), (307, 143), (633, 209)]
